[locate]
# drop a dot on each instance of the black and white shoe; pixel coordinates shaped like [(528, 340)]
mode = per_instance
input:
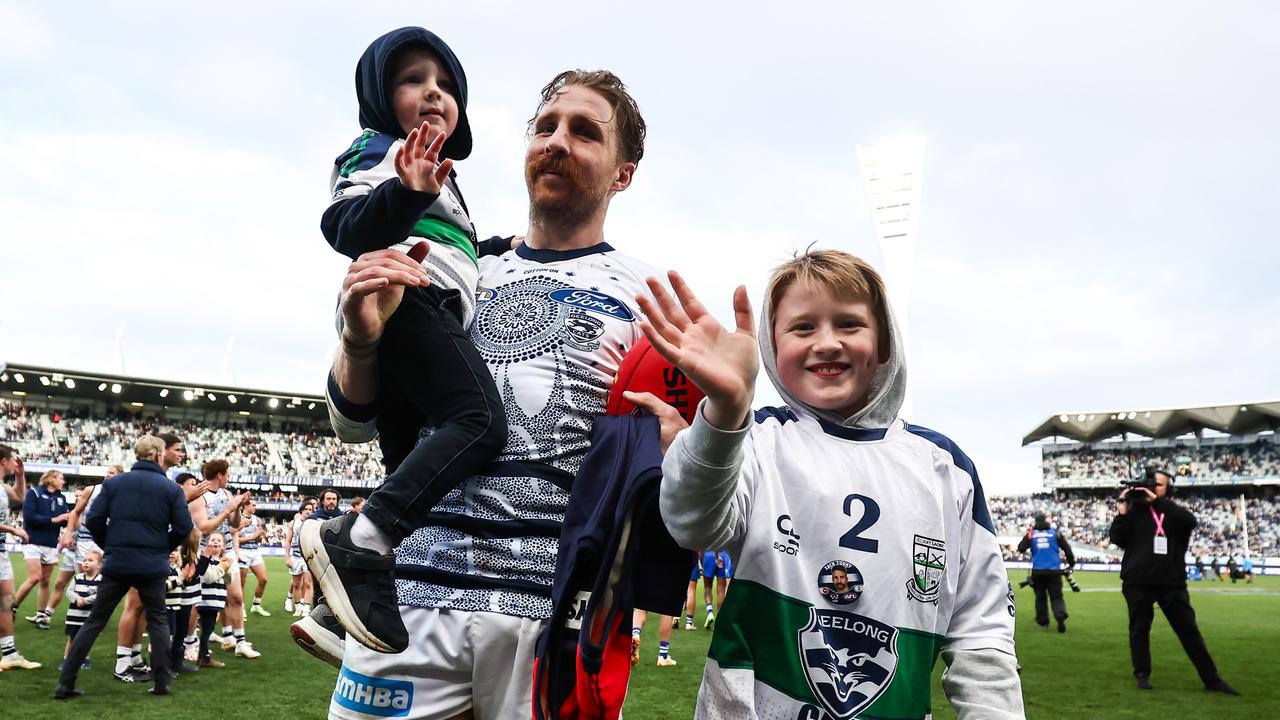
[(127, 676), (320, 634), (358, 584)]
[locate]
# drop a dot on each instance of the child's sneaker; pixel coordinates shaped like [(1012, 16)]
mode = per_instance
[(228, 643), (288, 605), (87, 664), (259, 610), (15, 660), (688, 625), (358, 584), (710, 622), (320, 634), (244, 649), (667, 661)]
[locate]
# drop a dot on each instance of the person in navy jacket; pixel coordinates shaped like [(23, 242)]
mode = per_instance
[(44, 514), (138, 519)]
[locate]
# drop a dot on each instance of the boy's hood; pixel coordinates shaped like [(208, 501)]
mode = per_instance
[(372, 73), (888, 386)]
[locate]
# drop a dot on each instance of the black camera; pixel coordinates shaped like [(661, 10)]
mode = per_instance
[(1148, 481)]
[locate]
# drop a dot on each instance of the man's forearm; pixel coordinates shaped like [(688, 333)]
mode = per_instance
[(355, 370)]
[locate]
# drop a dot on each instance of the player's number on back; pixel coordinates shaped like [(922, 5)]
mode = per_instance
[(870, 513)]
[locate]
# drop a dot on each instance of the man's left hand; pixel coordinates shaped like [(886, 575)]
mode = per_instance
[(670, 421)]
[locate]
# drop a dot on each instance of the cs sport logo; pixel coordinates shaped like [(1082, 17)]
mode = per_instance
[(848, 659)]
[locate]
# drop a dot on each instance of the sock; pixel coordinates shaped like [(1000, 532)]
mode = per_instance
[(257, 601), (688, 619), (7, 646), (635, 632), (226, 631), (123, 653), (135, 655), (710, 610), (49, 611), (189, 641), (239, 635), (367, 535), (664, 649), (289, 596)]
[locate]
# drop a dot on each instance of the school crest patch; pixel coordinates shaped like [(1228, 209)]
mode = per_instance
[(929, 564)]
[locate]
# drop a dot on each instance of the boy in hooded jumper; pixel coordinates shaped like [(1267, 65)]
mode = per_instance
[(864, 547), (395, 187)]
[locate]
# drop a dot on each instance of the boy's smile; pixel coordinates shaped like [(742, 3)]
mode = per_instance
[(828, 349), (421, 91)]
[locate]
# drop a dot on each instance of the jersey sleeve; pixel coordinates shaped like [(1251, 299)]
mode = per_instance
[(352, 422), (983, 616), (369, 209), (706, 485)]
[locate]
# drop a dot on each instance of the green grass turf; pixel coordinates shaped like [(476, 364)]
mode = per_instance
[(1082, 674)]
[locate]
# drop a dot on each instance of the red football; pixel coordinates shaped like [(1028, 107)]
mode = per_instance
[(644, 370)]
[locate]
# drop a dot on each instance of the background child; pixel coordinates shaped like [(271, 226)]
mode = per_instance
[(389, 191), (84, 590), (895, 555)]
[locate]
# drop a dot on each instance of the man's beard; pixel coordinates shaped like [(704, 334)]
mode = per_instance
[(574, 204)]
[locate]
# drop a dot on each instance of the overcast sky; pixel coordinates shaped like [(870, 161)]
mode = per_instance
[(1098, 227)]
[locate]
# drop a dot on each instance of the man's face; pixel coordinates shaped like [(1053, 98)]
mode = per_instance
[(828, 349), (572, 164), (422, 91), (251, 508), (9, 465), (840, 580), (173, 456), (56, 483), (219, 481), (330, 501), (1162, 485)]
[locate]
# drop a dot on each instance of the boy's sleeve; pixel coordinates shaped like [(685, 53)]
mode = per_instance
[(705, 493), (352, 422), (981, 679), (370, 209)]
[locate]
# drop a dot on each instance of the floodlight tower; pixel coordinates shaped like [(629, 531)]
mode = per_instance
[(893, 172)]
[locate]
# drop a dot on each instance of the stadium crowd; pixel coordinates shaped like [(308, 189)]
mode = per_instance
[(75, 437), (1260, 458), (1085, 518)]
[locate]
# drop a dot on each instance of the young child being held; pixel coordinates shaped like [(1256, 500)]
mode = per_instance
[(390, 192), (864, 544), (84, 590)]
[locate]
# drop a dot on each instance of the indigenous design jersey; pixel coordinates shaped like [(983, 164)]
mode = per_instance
[(874, 554), (552, 326)]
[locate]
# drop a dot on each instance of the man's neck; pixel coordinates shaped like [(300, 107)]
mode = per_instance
[(547, 234)]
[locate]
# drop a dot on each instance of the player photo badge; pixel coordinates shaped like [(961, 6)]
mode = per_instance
[(848, 659), (839, 582), (929, 564)]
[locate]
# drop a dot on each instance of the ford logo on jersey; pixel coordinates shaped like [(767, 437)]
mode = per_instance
[(848, 659), (373, 696), (593, 301)]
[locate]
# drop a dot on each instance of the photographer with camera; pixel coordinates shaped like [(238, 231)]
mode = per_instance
[(1155, 532), (1047, 547)]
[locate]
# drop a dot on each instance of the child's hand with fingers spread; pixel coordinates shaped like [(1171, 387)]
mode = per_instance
[(723, 364), (418, 160)]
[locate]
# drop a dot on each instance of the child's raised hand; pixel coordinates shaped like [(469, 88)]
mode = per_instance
[(416, 160), (722, 364)]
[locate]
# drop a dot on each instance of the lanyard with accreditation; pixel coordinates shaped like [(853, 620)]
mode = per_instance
[(1161, 543)]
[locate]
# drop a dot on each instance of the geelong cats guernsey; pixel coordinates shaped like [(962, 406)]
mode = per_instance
[(862, 554)]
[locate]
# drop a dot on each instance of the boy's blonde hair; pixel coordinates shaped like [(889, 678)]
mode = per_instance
[(847, 277)]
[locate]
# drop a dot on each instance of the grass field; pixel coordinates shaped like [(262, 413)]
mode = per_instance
[(1082, 674)]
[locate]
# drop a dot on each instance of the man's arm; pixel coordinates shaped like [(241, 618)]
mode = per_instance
[(73, 518), (14, 530), (371, 292), (1025, 543), (19, 487), (200, 514), (96, 520), (180, 522), (1066, 549)]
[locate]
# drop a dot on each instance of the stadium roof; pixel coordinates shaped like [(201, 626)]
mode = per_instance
[(24, 380), (1089, 427)]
